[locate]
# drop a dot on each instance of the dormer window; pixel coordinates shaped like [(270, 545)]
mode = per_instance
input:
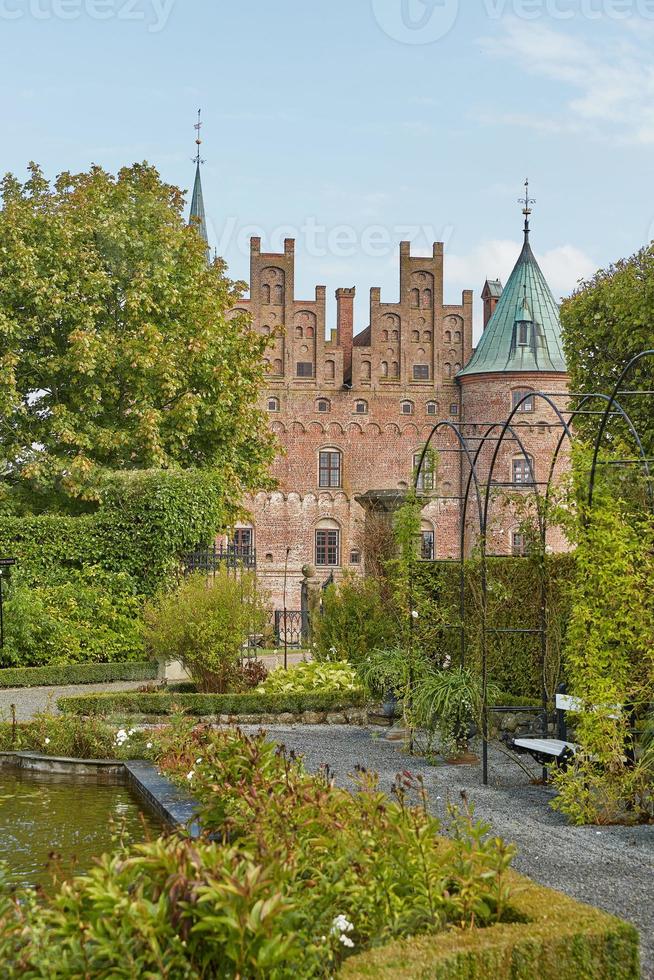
[(523, 334)]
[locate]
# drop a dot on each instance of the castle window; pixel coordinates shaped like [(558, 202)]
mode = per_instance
[(329, 469), (278, 367), (310, 332), (523, 334), (384, 369), (421, 372), (457, 368), (415, 298), (243, 542), (427, 336), (395, 369), (406, 408), (457, 336), (427, 543), (355, 558), (519, 544), (324, 405), (384, 335), (522, 470), (279, 295), (365, 370), (328, 547), (432, 408), (304, 369), (298, 332), (396, 335), (425, 479), (448, 336), (426, 298), (528, 405), (265, 293), (448, 370), (454, 409), (415, 336), (273, 404), (330, 370), (361, 407)]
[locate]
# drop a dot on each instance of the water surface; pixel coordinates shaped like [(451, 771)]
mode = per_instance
[(53, 822)]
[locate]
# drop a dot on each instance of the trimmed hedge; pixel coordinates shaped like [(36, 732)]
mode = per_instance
[(59, 676), (561, 939), (133, 702)]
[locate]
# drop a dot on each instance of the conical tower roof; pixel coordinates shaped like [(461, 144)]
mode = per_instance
[(197, 215), (524, 333)]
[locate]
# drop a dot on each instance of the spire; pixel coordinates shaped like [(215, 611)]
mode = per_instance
[(527, 201), (524, 332), (197, 215)]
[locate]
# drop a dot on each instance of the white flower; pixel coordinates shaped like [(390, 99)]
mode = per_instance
[(190, 775), (414, 613), (346, 941), (47, 741), (131, 732), (121, 736), (198, 761), (447, 661), (341, 924), (333, 650), (149, 745)]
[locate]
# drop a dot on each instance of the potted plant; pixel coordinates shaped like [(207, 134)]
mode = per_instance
[(450, 701)]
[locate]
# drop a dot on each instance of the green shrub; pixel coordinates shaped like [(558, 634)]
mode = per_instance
[(134, 702), (205, 624), (60, 676), (308, 677), (74, 738), (356, 619), (91, 617)]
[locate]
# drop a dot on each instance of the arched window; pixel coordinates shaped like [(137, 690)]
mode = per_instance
[(385, 335), (278, 367), (365, 370), (529, 403), (396, 335), (384, 369), (457, 368), (273, 404), (330, 469), (265, 293), (310, 332), (328, 544), (427, 336), (406, 408), (415, 298), (330, 370), (324, 405), (265, 329), (432, 408), (279, 295), (448, 336), (427, 541), (522, 468), (415, 336), (426, 298), (361, 407), (299, 333), (395, 369), (457, 336), (448, 370)]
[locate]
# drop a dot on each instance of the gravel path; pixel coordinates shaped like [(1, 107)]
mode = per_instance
[(611, 867), (30, 700)]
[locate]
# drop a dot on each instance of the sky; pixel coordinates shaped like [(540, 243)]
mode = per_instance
[(354, 124)]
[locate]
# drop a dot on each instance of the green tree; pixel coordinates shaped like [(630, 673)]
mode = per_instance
[(116, 348), (606, 322)]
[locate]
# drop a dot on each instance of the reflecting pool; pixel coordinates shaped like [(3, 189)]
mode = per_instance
[(61, 823)]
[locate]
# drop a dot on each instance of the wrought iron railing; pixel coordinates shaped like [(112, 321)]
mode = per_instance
[(210, 560)]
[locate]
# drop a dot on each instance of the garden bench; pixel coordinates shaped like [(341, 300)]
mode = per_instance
[(558, 751)]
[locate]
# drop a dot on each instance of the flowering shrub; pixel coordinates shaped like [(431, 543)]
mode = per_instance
[(73, 737), (307, 677)]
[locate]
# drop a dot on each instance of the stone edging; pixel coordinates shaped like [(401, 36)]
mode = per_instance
[(168, 802)]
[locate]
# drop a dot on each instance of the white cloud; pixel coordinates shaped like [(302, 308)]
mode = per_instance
[(562, 266), (612, 80)]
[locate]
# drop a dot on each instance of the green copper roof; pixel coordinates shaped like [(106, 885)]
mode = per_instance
[(524, 332), (197, 215)]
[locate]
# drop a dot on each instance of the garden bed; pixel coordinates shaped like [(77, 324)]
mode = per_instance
[(561, 940)]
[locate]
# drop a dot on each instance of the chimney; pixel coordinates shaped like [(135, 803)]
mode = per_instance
[(345, 327), (491, 294)]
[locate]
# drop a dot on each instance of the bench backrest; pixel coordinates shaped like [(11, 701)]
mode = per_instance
[(565, 702)]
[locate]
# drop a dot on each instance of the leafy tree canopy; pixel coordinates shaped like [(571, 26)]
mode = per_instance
[(116, 348), (606, 322)]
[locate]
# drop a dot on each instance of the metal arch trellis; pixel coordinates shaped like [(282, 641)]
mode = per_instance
[(485, 487)]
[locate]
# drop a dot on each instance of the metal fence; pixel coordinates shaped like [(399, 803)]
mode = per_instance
[(210, 560), (291, 627)]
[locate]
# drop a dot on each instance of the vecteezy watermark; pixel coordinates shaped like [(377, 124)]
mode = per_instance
[(340, 241), (153, 14), (416, 21), (427, 21)]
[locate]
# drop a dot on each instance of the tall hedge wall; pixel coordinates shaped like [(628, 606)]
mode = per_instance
[(514, 600), (145, 521)]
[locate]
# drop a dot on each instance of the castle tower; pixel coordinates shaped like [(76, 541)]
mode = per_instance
[(520, 351)]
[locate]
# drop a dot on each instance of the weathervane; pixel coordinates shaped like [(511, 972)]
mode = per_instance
[(527, 202), (198, 139)]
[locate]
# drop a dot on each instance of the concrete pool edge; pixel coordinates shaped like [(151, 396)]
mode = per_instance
[(166, 800)]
